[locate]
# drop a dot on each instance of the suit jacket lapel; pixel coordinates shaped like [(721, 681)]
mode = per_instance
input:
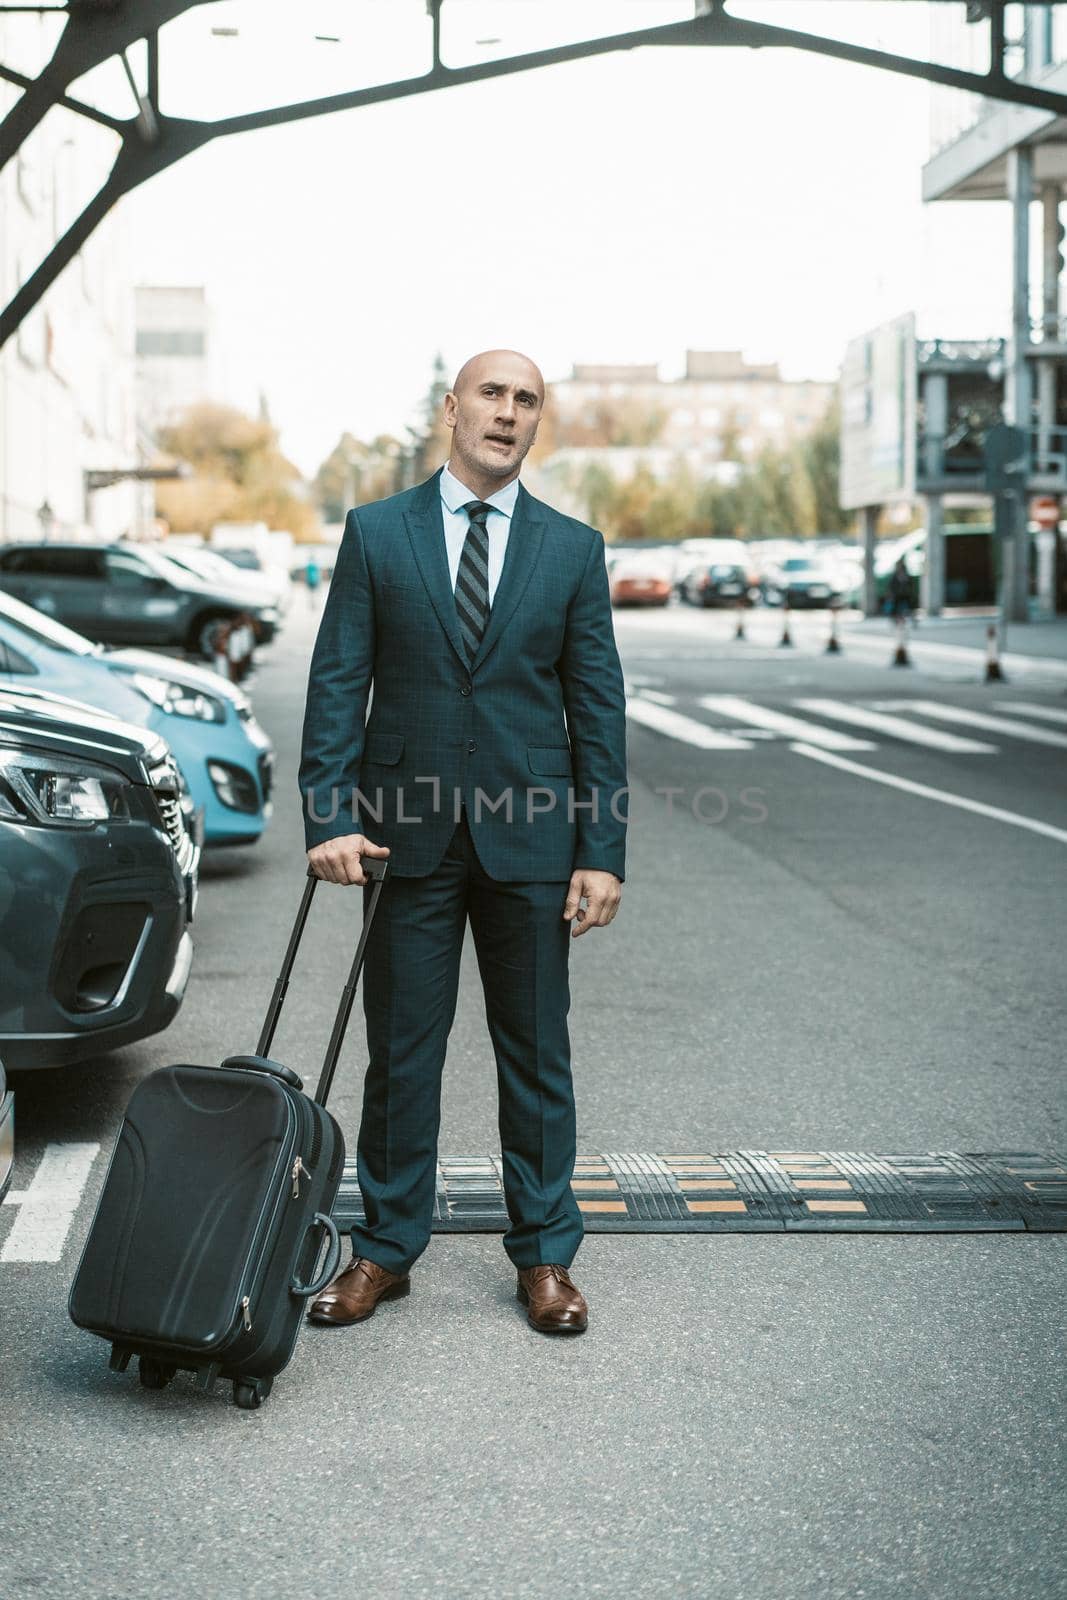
[(525, 537), (426, 532)]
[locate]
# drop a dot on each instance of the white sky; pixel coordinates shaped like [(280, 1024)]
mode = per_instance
[(619, 209)]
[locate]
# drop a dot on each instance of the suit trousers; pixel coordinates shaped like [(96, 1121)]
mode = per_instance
[(410, 984)]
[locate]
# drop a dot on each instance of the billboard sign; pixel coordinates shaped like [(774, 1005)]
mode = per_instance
[(878, 416)]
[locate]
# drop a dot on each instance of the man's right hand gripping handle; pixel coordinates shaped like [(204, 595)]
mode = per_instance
[(338, 860)]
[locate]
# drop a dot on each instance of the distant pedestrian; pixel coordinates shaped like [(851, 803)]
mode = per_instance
[(240, 647), (899, 593), (312, 578), (220, 647)]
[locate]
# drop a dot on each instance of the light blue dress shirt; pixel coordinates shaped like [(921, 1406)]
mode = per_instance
[(454, 496)]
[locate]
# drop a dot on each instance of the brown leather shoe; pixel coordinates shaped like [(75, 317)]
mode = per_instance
[(354, 1293), (553, 1300)]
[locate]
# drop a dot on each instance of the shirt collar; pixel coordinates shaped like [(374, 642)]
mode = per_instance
[(456, 494)]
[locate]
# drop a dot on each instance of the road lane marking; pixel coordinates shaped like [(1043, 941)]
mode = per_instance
[(687, 729), (735, 705), (896, 727), (978, 719), (658, 697), (1030, 710), (50, 1203), (961, 801)]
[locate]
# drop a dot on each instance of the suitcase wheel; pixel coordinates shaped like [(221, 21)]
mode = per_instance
[(154, 1374), (250, 1393)]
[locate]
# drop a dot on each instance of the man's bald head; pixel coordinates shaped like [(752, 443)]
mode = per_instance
[(498, 364), (493, 409)]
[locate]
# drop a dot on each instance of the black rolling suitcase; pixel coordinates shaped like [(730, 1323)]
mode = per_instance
[(203, 1249)]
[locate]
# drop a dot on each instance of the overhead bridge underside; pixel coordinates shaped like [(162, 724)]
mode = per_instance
[(742, 1191)]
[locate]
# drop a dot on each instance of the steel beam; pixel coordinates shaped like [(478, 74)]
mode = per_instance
[(152, 142), (93, 34)]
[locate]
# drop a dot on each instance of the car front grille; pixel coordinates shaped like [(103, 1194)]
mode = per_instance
[(167, 782)]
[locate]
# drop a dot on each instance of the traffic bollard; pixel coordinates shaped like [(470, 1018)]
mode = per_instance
[(833, 646), (739, 631), (786, 638), (993, 673)]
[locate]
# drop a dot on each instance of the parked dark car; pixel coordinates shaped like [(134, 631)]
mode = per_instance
[(7, 1133), (98, 884), (720, 583), (122, 594), (801, 581)]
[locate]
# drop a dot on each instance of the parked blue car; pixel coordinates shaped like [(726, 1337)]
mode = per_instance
[(227, 758)]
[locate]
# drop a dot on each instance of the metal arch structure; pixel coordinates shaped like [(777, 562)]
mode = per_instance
[(149, 141)]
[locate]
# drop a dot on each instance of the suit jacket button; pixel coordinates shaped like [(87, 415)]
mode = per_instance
[(472, 745), (465, 688)]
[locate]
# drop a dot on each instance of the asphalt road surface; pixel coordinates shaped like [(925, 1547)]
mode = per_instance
[(842, 929)]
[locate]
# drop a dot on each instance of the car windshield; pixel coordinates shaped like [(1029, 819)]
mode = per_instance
[(200, 562), (797, 564), (35, 625), (162, 565)]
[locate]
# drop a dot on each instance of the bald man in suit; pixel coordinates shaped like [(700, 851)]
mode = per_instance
[(492, 774)]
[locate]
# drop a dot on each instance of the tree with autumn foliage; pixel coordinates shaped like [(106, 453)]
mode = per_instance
[(789, 489), (239, 474), (354, 474)]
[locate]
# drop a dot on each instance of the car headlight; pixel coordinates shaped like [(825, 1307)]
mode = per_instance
[(180, 699), (270, 614), (59, 792)]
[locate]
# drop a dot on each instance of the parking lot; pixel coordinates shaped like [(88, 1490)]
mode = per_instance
[(837, 949)]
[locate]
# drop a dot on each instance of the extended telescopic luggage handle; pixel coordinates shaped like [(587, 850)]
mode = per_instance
[(375, 867)]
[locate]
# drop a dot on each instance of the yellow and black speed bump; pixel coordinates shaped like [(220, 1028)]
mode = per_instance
[(768, 1192)]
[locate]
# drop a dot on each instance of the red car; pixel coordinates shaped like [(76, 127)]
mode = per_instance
[(637, 582)]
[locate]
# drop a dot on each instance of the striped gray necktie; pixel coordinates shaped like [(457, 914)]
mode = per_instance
[(472, 579)]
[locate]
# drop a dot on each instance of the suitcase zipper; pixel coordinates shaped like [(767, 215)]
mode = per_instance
[(298, 1170), (265, 1233)]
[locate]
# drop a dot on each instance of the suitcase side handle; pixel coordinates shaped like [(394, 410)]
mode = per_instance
[(332, 1262)]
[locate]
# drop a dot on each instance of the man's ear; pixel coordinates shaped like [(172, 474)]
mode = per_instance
[(450, 408)]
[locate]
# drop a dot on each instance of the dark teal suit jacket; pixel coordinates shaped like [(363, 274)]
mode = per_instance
[(537, 723)]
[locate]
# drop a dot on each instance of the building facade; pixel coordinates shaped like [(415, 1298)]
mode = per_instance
[(721, 409), (990, 150), (66, 376), (174, 352)]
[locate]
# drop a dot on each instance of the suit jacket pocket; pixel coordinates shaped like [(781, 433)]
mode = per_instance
[(385, 749), (553, 760)]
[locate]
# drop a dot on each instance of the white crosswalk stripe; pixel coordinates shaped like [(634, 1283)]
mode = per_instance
[(1047, 713), (48, 1206), (663, 720), (962, 802), (656, 709), (747, 711), (895, 727), (977, 719)]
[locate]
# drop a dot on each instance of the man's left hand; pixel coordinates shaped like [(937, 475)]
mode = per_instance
[(602, 892)]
